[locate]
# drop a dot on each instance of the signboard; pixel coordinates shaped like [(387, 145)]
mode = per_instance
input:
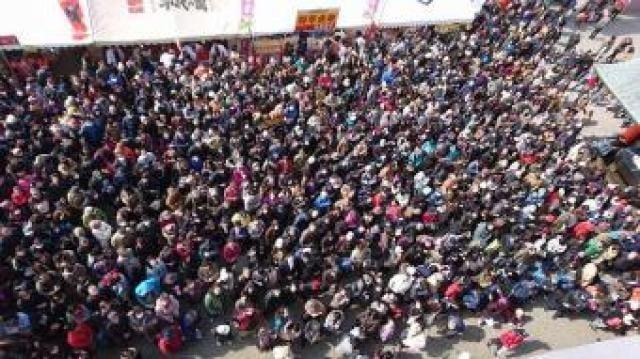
[(9, 40), (317, 20), (267, 46), (449, 27)]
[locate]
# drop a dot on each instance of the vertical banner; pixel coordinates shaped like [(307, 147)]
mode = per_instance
[(247, 8), (246, 15), (370, 14), (371, 8), (185, 5), (76, 17)]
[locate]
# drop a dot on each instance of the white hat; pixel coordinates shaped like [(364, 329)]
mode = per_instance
[(279, 243), (11, 119), (282, 352), (589, 272), (400, 283), (398, 250), (223, 329), (411, 270), (224, 275)]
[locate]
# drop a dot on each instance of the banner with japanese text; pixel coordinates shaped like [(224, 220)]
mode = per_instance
[(78, 22), (317, 20)]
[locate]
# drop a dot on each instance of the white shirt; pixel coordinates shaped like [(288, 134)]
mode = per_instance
[(167, 59), (110, 56), (188, 52)]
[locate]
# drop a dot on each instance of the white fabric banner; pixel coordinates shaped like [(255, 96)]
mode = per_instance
[(46, 22), (72, 22), (126, 21), (117, 21)]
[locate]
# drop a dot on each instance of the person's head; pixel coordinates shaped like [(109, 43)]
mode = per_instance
[(130, 353)]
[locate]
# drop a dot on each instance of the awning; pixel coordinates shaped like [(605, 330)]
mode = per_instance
[(627, 347), (50, 23), (623, 80)]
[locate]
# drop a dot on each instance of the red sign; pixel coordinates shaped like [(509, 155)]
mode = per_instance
[(317, 20), (9, 40), (75, 16), (135, 6)]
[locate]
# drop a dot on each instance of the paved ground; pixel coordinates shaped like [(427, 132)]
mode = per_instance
[(628, 25), (546, 333)]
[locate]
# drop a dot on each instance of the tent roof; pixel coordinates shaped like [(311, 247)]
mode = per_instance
[(615, 348), (622, 79)]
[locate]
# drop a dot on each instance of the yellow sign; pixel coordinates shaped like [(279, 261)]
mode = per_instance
[(317, 20), (268, 46), (449, 27)]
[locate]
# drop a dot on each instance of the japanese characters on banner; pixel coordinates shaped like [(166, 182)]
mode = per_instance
[(138, 6), (317, 20), (131, 21), (186, 5)]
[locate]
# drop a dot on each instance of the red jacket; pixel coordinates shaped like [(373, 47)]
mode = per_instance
[(511, 339), (81, 337), (170, 341)]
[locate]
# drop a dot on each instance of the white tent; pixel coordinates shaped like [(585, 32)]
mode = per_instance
[(622, 79), (622, 348), (631, 5), (45, 23)]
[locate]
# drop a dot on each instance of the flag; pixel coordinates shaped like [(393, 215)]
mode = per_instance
[(246, 14)]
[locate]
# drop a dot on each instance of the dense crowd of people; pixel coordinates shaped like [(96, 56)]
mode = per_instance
[(391, 183)]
